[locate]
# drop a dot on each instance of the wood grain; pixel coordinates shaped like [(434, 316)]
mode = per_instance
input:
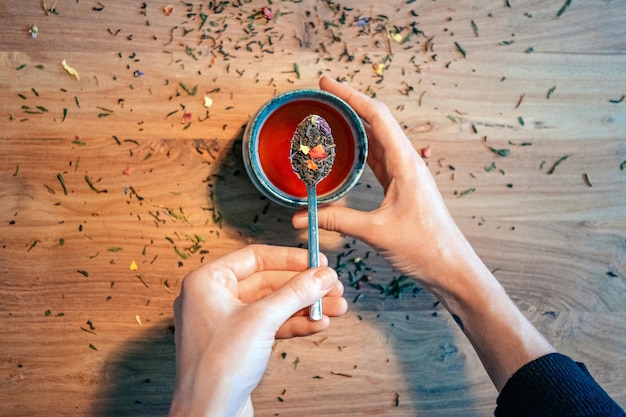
[(83, 334)]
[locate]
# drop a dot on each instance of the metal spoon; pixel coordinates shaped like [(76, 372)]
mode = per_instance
[(312, 157)]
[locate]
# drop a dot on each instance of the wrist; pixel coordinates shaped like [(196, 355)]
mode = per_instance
[(502, 336), (210, 390)]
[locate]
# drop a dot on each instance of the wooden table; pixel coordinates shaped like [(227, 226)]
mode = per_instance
[(110, 194)]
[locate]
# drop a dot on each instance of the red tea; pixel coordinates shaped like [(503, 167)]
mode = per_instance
[(274, 143)]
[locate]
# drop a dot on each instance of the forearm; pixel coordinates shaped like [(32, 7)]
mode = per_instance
[(210, 390), (502, 337)]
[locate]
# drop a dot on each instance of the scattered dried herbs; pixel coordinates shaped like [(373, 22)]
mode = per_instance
[(191, 92), (93, 188), (474, 28), (460, 48), (62, 182), (500, 152), (563, 9), (557, 163), (466, 192), (619, 100)]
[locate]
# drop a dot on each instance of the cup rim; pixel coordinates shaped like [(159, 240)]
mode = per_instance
[(254, 126)]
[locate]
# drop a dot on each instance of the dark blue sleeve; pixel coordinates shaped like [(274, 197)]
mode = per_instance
[(555, 386)]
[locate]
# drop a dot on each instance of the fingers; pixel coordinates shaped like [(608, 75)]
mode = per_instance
[(375, 113), (337, 219), (298, 293), (264, 283), (245, 262), (300, 324)]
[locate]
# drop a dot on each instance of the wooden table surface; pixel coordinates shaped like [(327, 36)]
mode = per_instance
[(109, 195)]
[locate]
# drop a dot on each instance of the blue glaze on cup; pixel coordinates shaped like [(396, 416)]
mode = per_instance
[(251, 155)]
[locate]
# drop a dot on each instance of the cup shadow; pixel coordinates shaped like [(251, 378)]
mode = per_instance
[(243, 209)]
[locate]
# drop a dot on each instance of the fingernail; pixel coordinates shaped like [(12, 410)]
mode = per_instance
[(327, 277)]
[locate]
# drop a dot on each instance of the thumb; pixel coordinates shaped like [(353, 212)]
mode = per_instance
[(299, 292), (335, 219)]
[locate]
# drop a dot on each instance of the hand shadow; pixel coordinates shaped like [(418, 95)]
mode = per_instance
[(139, 376)]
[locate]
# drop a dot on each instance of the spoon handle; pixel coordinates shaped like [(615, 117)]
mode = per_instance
[(315, 311)]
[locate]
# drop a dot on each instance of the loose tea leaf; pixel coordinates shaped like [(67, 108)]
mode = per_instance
[(557, 163), (501, 152), (563, 9), (460, 48)]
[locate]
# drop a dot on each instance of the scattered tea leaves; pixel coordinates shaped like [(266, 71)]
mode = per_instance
[(93, 188), (557, 163), (190, 91), (32, 245), (466, 192), (62, 181), (619, 100), (461, 50), (474, 28), (500, 152), (296, 69), (563, 9)]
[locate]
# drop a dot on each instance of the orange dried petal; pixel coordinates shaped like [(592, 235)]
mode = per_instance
[(310, 164)]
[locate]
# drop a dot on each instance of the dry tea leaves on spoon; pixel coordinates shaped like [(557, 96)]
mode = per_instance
[(312, 149)]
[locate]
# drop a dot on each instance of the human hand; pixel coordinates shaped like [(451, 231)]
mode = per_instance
[(229, 313), (412, 227)]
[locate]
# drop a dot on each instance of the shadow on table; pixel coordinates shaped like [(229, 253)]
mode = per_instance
[(436, 361), (245, 210), (139, 377), (435, 364)]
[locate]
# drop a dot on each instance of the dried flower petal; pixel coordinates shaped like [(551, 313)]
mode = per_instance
[(128, 170), (379, 69), (426, 152), (267, 12), (396, 37), (168, 10), (186, 118), (305, 149), (310, 164), (208, 101), (318, 152), (70, 70), (133, 266)]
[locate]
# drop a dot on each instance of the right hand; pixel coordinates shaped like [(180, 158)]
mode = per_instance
[(412, 228)]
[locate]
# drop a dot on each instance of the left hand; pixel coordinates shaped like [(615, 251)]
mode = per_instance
[(229, 313)]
